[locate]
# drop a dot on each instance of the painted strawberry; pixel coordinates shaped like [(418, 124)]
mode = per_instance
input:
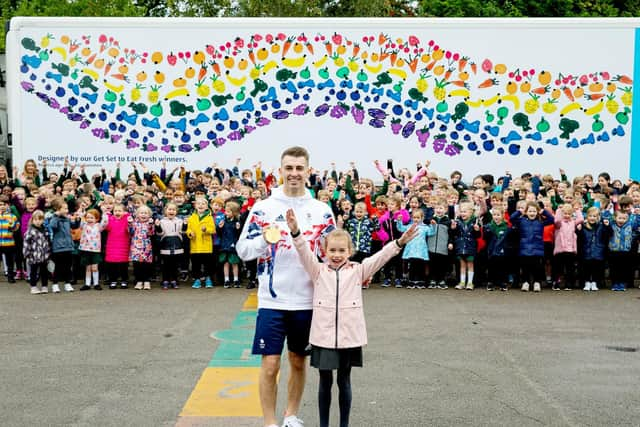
[(269, 38), (282, 36), (172, 59), (413, 41), (336, 39)]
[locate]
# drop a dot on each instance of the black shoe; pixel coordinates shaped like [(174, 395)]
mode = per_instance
[(227, 285), (174, 285), (97, 287), (251, 284), (11, 280), (124, 285), (85, 288), (236, 284), (113, 285)]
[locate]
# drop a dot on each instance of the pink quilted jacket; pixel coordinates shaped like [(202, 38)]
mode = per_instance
[(338, 316), (118, 239)]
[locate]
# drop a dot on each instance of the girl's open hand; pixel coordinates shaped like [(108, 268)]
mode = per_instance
[(292, 222), (408, 235)]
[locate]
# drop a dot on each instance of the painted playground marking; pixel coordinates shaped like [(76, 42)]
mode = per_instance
[(228, 386)]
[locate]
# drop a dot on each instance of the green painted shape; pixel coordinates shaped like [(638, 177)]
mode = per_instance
[(245, 319), (231, 354), (238, 336)]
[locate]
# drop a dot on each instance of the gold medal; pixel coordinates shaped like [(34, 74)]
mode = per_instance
[(272, 234)]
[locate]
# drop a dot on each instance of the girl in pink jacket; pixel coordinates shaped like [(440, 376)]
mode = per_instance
[(338, 330), (117, 247), (566, 246)]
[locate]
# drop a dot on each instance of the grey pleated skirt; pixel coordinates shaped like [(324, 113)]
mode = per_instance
[(330, 358)]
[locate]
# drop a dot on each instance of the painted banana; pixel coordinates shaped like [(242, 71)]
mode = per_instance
[(269, 66), (294, 63), (490, 101), (320, 62), (236, 81), (595, 109), (474, 104), (460, 92), (514, 99), (373, 69), (398, 72), (91, 73), (113, 88), (569, 108), (183, 91), (60, 50)]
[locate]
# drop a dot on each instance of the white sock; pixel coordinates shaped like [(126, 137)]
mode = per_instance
[(463, 278), (87, 278), (226, 278), (470, 276), (96, 277)]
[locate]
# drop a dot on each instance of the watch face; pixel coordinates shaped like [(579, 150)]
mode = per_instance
[(272, 234)]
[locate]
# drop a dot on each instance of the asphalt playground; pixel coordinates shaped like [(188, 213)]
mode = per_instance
[(435, 358)]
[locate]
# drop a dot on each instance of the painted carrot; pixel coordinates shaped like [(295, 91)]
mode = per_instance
[(594, 96), (459, 83), (120, 76), (329, 47), (474, 68), (252, 57), (107, 67), (286, 46), (488, 83), (383, 56), (202, 73), (216, 67), (356, 49), (623, 79), (540, 90), (91, 58), (393, 57), (382, 39), (462, 63), (432, 64), (447, 73), (568, 93), (309, 47), (413, 65)]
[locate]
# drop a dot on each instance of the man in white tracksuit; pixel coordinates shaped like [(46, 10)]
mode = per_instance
[(285, 293)]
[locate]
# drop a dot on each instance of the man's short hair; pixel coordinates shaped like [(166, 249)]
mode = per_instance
[(295, 152)]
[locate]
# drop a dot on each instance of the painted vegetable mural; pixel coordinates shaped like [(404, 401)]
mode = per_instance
[(416, 90)]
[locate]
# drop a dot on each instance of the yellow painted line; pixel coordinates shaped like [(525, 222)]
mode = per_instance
[(251, 302), (225, 392)]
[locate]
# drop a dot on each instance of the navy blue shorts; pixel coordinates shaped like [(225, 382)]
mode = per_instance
[(273, 326)]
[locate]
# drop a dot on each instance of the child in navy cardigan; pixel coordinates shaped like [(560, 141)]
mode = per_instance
[(593, 238), (530, 226)]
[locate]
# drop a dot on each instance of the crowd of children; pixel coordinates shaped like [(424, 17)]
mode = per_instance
[(529, 232)]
